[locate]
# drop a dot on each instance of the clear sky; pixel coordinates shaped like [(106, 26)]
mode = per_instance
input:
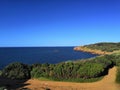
[(58, 22)]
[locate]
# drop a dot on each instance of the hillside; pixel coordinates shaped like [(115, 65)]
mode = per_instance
[(99, 48)]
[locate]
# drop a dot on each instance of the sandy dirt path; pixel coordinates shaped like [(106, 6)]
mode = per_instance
[(107, 83)]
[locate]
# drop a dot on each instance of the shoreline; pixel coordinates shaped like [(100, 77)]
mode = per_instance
[(85, 49)]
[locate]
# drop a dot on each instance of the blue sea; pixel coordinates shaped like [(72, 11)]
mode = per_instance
[(31, 55)]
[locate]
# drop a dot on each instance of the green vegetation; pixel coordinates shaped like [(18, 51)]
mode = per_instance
[(68, 71), (76, 70), (16, 71), (88, 70), (118, 75), (108, 47), (79, 71), (118, 70)]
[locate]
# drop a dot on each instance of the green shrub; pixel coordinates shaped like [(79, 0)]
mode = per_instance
[(41, 70), (16, 71), (118, 75), (74, 71), (90, 70)]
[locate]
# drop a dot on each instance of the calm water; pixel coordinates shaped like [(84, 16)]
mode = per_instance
[(32, 55)]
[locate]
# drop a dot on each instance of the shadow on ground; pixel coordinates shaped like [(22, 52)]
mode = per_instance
[(10, 84)]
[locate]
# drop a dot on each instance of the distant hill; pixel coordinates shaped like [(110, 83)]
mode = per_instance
[(100, 48)]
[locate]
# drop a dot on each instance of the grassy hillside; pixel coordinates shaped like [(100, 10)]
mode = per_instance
[(99, 48), (108, 47)]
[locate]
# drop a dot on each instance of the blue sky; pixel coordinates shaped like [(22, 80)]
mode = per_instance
[(58, 22)]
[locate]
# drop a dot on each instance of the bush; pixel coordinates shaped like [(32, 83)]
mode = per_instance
[(41, 70), (90, 70), (118, 75), (107, 61), (16, 71), (70, 71)]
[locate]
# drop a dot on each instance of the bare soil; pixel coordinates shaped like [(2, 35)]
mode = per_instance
[(107, 83)]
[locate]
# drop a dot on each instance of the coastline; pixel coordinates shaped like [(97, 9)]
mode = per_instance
[(90, 69), (93, 51)]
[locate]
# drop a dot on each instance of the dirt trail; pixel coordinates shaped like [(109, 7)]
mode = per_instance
[(107, 83)]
